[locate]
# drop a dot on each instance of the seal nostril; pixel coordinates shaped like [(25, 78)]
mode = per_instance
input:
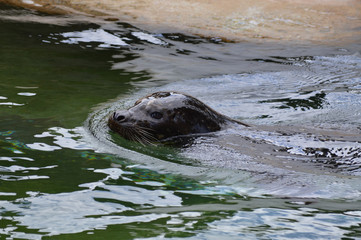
[(119, 116)]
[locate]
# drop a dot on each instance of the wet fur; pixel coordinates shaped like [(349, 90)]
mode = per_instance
[(181, 115)]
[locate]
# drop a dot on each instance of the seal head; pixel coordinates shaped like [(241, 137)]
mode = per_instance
[(164, 115)]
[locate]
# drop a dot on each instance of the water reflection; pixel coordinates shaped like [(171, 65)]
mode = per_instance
[(102, 204), (281, 224), (304, 102)]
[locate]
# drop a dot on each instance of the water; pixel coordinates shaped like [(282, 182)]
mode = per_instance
[(64, 175)]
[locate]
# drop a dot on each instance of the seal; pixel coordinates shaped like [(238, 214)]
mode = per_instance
[(165, 115)]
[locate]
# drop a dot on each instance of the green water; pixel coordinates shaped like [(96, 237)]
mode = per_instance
[(60, 180)]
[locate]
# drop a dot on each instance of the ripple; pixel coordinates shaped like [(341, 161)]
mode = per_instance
[(63, 138), (11, 178), (280, 160), (26, 94), (149, 38), (7, 194), (16, 168), (14, 159), (281, 224), (88, 209), (42, 147), (103, 38), (26, 87), (11, 104)]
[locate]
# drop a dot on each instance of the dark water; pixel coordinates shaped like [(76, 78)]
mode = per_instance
[(294, 175)]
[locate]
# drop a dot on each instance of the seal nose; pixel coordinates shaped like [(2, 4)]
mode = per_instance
[(119, 117)]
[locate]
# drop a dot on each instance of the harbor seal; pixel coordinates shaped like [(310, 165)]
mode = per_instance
[(164, 115)]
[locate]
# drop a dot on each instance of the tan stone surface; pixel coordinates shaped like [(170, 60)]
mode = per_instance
[(292, 20)]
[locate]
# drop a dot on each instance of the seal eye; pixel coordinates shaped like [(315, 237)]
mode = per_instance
[(156, 115)]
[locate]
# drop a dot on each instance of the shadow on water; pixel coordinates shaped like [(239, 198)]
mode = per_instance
[(62, 179)]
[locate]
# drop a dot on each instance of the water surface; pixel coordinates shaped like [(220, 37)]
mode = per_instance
[(64, 175)]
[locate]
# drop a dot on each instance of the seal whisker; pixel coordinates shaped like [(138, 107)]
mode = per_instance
[(143, 140), (145, 135), (130, 134), (137, 134)]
